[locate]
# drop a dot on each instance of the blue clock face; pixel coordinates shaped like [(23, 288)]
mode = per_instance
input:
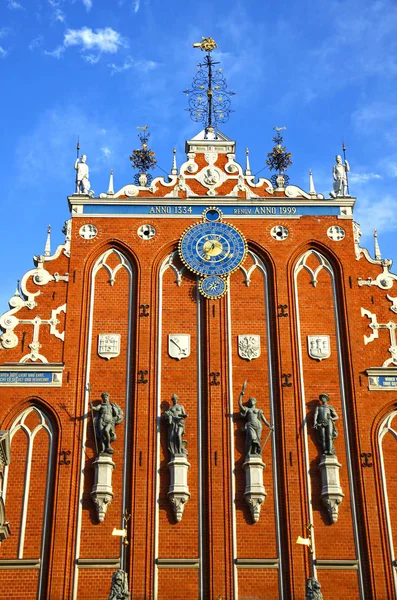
[(212, 248), (212, 286)]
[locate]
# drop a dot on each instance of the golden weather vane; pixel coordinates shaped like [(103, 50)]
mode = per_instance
[(207, 44)]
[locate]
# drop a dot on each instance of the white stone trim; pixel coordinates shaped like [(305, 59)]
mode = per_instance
[(45, 424), (90, 343), (324, 263), (386, 427)]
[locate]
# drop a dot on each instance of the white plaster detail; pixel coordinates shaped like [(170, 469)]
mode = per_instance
[(336, 233), (179, 345), (231, 165), (67, 231), (58, 277), (112, 271), (393, 306), (254, 493), (384, 280), (279, 233), (323, 264), (108, 345), (248, 272), (319, 346), (178, 492), (88, 231), (129, 190), (211, 178), (331, 491), (178, 272), (249, 346), (375, 326), (102, 492), (146, 232), (8, 340), (210, 157)]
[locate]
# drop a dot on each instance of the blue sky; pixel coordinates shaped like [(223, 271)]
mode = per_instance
[(98, 68)]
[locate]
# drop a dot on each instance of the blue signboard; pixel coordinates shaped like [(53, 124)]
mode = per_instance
[(25, 378), (196, 210), (387, 381)]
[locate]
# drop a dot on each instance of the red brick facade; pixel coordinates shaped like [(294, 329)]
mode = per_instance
[(288, 289)]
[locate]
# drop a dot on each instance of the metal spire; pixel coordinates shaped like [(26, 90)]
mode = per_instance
[(209, 99), (143, 159), (247, 163), (110, 191), (312, 190), (174, 170), (47, 249), (378, 255), (17, 292)]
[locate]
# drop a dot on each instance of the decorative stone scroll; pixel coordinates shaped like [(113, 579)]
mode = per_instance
[(178, 491), (324, 423)]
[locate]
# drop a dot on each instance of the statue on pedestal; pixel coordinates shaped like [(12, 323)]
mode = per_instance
[(253, 426), (324, 422), (82, 176), (110, 415), (339, 173), (313, 589), (175, 416)]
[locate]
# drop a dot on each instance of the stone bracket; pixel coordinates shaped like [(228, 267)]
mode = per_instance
[(178, 491), (331, 491), (255, 493), (102, 492)]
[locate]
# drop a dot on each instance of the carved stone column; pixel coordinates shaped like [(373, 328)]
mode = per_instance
[(178, 491), (255, 493), (331, 491), (102, 492)]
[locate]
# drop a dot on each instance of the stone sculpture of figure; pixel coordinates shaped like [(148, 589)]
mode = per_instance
[(253, 426), (176, 427), (211, 176), (340, 178), (110, 415), (324, 422), (313, 589), (82, 177), (119, 589)]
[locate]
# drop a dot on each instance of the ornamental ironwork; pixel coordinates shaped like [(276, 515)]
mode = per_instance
[(279, 159), (208, 97), (143, 159)]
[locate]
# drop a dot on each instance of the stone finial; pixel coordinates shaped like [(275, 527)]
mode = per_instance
[(110, 191), (312, 190), (247, 163), (378, 255), (174, 170), (47, 248)]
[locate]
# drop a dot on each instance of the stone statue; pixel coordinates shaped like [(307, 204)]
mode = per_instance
[(110, 415), (313, 589), (176, 427), (119, 589), (253, 426), (340, 178), (82, 182), (324, 422), (211, 176)]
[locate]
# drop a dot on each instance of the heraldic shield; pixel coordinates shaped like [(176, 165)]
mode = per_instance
[(179, 345), (319, 346), (249, 346)]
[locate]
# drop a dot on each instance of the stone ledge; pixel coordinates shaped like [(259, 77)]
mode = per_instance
[(98, 563), (178, 563), (351, 565), (257, 563), (20, 563)]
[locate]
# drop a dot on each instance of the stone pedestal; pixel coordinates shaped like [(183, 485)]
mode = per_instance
[(331, 491), (178, 491), (102, 493), (255, 493)]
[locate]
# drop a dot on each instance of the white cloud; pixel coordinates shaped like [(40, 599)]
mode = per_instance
[(14, 5), (363, 177), (36, 43), (3, 53), (57, 53), (87, 4), (379, 214), (106, 151), (58, 14), (131, 63), (136, 5), (105, 40)]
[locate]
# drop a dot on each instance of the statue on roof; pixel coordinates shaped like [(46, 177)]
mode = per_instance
[(339, 173), (83, 185)]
